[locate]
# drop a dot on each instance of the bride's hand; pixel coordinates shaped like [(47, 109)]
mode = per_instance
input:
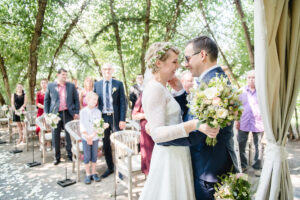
[(175, 84), (209, 131)]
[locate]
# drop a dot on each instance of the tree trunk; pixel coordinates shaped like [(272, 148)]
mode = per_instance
[(119, 44), (33, 59), (5, 78), (246, 32), (66, 35), (171, 27), (291, 133), (2, 101), (213, 36), (145, 37)]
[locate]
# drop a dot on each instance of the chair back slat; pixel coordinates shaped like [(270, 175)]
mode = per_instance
[(73, 129)]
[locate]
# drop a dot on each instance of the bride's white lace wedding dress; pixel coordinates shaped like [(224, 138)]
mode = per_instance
[(170, 176)]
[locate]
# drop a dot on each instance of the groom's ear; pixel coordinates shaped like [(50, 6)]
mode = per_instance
[(203, 54)]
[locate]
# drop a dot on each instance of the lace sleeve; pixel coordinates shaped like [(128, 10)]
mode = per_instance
[(155, 105)]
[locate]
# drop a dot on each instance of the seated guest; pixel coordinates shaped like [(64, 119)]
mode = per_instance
[(88, 86), (146, 141), (40, 95), (90, 138)]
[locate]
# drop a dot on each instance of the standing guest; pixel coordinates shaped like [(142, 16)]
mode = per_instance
[(18, 102), (61, 97), (90, 138), (187, 80), (146, 141), (251, 121), (40, 95), (136, 90), (88, 86), (112, 104)]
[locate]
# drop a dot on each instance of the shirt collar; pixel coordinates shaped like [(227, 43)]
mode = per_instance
[(249, 90), (60, 84), (206, 72)]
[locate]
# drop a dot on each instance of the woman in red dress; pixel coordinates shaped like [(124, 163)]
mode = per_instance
[(40, 104), (146, 141)]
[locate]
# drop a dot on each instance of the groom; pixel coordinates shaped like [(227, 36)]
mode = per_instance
[(208, 162)]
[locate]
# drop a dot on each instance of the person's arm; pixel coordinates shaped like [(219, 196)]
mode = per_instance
[(25, 102), (81, 99), (136, 112), (122, 103), (76, 102), (38, 104), (47, 100)]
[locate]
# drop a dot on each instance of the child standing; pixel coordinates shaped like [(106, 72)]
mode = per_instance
[(89, 136)]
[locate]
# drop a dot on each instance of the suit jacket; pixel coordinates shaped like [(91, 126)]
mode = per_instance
[(119, 100), (51, 101), (208, 162)]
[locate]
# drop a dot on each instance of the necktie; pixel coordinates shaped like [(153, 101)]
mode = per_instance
[(107, 97)]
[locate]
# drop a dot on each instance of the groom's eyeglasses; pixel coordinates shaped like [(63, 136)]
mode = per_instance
[(188, 58)]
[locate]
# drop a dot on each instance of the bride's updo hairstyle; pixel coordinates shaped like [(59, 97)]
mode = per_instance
[(159, 51)]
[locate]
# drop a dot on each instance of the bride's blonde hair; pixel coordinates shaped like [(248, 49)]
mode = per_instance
[(159, 51)]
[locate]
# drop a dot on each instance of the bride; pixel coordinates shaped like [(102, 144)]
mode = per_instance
[(170, 176)]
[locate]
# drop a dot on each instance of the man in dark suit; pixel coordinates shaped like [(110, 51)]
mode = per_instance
[(208, 162), (112, 104), (61, 97), (136, 90)]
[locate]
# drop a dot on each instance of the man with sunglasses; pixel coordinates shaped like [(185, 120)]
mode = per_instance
[(209, 162)]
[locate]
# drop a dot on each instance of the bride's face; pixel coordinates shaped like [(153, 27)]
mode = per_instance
[(169, 66)]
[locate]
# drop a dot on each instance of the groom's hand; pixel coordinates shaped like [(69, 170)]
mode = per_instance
[(209, 131), (175, 84)]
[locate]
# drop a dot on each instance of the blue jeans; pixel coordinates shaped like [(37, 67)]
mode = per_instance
[(242, 139), (90, 152)]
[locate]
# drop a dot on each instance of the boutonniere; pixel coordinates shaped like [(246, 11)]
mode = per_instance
[(114, 89)]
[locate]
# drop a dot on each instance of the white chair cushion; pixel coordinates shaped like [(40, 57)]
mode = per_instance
[(122, 164), (48, 136)]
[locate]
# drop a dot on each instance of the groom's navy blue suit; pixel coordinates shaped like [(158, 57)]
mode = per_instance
[(208, 162)]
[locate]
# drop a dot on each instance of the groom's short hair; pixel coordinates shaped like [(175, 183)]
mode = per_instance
[(207, 44)]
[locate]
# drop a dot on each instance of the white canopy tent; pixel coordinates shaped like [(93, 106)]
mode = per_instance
[(277, 63)]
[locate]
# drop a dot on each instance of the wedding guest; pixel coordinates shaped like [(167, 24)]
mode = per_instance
[(251, 121), (187, 80), (61, 97), (88, 86), (136, 90), (90, 138), (146, 142), (40, 95), (18, 103), (112, 104)]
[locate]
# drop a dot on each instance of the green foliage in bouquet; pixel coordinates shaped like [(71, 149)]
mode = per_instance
[(99, 127), (216, 103), (233, 186)]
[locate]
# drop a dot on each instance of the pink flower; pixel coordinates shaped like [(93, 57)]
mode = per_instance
[(216, 101)]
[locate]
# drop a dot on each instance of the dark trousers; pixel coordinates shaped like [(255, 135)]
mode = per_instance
[(65, 117), (106, 140), (204, 190), (242, 139)]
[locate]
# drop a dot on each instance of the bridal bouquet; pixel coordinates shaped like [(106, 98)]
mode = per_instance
[(99, 126), (21, 113), (52, 119), (216, 104), (233, 186)]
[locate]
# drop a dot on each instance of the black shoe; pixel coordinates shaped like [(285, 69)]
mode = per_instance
[(70, 159), (107, 173), (56, 162)]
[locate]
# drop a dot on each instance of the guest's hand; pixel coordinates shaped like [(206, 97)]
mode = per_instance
[(122, 125), (175, 84), (76, 116), (139, 116), (147, 129), (237, 125), (209, 131), (90, 140), (105, 125)]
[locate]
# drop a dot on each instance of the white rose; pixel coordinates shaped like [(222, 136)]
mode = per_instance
[(222, 113), (211, 93)]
